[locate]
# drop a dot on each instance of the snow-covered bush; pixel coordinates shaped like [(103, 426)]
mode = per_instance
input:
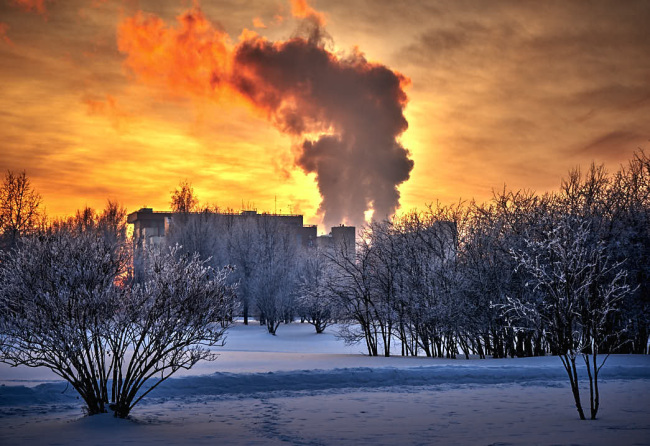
[(168, 323), (57, 301), (64, 306)]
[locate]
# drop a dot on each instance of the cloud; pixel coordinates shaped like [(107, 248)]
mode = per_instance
[(194, 57), (521, 92), (3, 33), (609, 145), (37, 6), (301, 9), (109, 108), (345, 113)]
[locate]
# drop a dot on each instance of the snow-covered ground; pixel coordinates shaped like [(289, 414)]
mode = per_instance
[(302, 388)]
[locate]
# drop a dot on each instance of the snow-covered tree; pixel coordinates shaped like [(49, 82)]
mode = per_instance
[(576, 290), (63, 306), (273, 277), (315, 301)]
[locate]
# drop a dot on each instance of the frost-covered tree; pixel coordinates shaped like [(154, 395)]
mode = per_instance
[(315, 301), (63, 306), (576, 290), (627, 235), (384, 254), (273, 277), (241, 246), (446, 309), (494, 230), (352, 284), (201, 232), (110, 223)]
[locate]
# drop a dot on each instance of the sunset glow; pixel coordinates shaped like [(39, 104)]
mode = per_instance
[(331, 109)]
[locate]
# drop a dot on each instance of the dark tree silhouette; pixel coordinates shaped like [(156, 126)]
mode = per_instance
[(183, 199), (20, 212)]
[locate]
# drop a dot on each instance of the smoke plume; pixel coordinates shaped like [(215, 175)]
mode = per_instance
[(345, 113)]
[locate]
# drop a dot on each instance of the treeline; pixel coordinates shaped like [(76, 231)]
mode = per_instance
[(278, 278), (522, 275)]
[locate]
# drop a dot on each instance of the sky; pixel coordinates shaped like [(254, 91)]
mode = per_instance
[(333, 109)]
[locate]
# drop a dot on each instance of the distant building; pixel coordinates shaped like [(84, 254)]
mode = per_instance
[(150, 228), (340, 237)]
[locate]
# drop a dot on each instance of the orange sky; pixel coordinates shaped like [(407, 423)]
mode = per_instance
[(513, 92)]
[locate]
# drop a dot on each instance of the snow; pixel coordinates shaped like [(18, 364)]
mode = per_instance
[(300, 387)]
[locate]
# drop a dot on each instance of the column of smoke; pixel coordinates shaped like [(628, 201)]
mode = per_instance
[(347, 113)]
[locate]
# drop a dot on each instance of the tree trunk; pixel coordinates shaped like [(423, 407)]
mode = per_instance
[(594, 394), (569, 362)]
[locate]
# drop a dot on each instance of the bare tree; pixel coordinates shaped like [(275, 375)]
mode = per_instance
[(577, 289), (184, 200), (112, 222), (20, 211)]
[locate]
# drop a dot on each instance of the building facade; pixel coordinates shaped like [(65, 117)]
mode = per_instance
[(150, 228)]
